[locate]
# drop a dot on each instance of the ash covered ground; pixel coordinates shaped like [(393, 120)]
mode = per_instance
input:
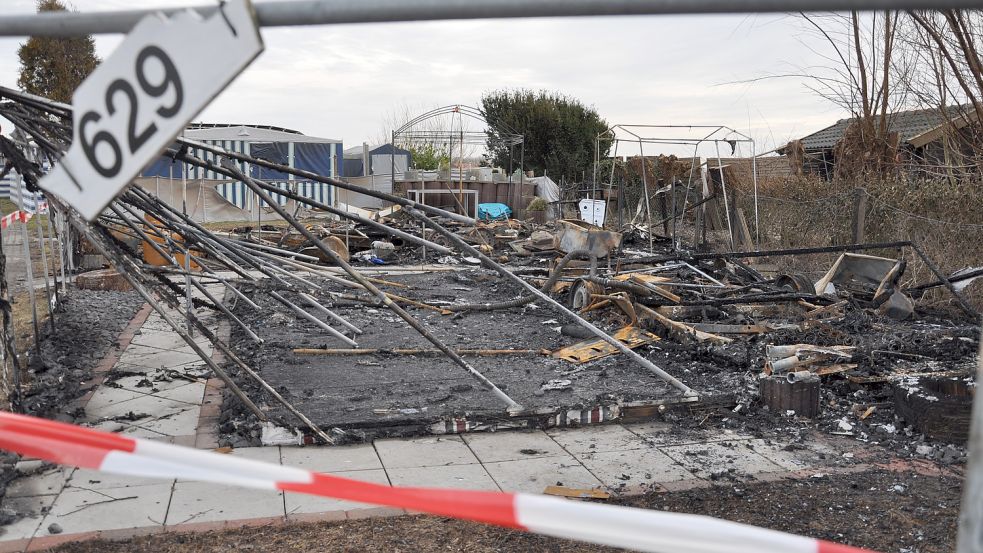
[(385, 394), (87, 326), (399, 394)]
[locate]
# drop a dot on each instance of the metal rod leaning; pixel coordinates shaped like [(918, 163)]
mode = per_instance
[(228, 312), (312, 301), (488, 262), (299, 311), (388, 302), (126, 265), (187, 251)]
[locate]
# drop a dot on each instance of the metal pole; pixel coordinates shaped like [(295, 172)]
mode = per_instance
[(645, 190), (386, 300), (126, 265), (228, 313), (723, 186), (969, 538), (754, 177), (312, 301), (47, 270), (323, 325), (189, 305), (322, 12), (488, 262), (187, 251), (29, 265)]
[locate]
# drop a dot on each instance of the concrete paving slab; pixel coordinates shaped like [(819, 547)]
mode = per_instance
[(163, 339), (491, 447), (88, 479), (331, 459), (189, 392), (180, 423), (105, 397), (32, 508), (634, 469), (177, 389), (608, 437), (463, 477), (195, 366), (534, 475), (265, 454), (665, 434), (424, 452), (141, 403), (709, 459), (47, 482), (158, 358), (206, 502), (298, 503), (778, 454), (78, 510)]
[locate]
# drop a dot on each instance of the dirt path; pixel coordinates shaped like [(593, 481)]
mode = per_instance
[(880, 510)]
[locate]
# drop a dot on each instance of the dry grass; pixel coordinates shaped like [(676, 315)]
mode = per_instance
[(944, 219)]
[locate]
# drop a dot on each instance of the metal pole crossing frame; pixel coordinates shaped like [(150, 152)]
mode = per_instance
[(638, 136), (321, 12)]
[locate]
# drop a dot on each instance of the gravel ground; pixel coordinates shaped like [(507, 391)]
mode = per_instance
[(879, 510)]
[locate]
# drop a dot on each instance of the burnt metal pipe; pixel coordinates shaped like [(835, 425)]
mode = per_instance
[(312, 301), (300, 312), (386, 300), (228, 313), (524, 300), (129, 269), (491, 264)]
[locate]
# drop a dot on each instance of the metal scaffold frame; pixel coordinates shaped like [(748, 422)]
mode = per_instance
[(641, 135)]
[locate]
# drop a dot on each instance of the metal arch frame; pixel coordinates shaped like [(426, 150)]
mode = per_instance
[(506, 134), (717, 134), (496, 133)]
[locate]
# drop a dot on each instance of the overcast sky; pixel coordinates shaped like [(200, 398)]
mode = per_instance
[(342, 81)]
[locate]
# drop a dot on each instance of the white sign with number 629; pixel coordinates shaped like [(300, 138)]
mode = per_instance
[(137, 101)]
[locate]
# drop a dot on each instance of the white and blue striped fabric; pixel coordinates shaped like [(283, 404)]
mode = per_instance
[(31, 202), (239, 194)]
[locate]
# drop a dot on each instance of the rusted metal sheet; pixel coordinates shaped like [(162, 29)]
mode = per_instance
[(590, 350), (578, 235)]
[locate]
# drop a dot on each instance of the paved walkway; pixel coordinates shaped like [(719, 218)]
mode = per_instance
[(166, 395)]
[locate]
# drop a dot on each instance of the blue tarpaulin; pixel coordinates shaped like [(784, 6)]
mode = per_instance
[(488, 212)]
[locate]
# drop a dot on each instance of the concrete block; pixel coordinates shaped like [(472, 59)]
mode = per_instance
[(464, 477), (79, 510), (634, 468), (492, 447), (331, 459), (609, 437), (424, 452), (534, 475), (102, 279), (298, 503), (207, 502)]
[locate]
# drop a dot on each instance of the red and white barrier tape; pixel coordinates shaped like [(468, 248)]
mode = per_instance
[(638, 529), (15, 217)]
